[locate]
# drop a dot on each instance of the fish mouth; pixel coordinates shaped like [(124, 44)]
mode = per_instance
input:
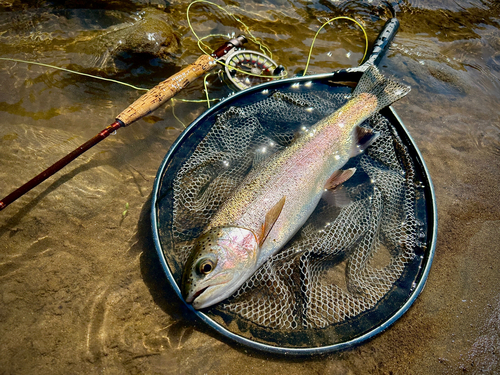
[(200, 299), (191, 298)]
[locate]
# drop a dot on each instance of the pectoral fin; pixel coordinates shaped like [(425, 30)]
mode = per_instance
[(339, 177), (271, 217)]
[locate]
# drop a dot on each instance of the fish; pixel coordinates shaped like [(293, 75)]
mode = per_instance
[(278, 195)]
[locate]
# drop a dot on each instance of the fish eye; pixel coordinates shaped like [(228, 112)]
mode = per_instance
[(205, 266)]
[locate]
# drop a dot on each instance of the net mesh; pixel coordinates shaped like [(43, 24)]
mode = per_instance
[(347, 256)]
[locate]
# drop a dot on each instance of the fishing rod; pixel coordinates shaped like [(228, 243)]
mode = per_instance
[(146, 104)]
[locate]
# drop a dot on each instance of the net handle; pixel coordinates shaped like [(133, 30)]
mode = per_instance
[(381, 45)]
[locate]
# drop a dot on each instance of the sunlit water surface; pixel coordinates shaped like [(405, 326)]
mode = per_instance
[(81, 289)]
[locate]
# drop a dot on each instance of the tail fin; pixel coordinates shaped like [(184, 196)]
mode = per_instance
[(386, 90)]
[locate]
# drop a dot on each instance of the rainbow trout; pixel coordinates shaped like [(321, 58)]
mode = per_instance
[(276, 198)]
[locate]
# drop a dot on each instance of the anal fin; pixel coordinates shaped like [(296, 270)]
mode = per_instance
[(363, 137)]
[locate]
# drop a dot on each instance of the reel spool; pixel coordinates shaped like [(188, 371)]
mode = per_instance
[(245, 68)]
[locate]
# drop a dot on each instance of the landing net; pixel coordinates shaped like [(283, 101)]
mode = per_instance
[(354, 261)]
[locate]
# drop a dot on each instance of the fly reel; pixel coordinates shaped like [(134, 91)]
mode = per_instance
[(245, 68)]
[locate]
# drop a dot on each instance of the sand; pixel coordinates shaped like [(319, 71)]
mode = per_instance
[(81, 287)]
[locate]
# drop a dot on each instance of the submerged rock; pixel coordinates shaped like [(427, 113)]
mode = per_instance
[(86, 45), (150, 33)]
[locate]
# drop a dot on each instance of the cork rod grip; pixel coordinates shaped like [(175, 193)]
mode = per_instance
[(166, 90)]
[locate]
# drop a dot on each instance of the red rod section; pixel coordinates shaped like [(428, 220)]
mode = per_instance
[(59, 164)]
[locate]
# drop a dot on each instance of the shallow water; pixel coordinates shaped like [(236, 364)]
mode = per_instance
[(81, 289)]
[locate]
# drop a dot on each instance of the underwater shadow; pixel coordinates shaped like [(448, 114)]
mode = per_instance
[(151, 270)]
